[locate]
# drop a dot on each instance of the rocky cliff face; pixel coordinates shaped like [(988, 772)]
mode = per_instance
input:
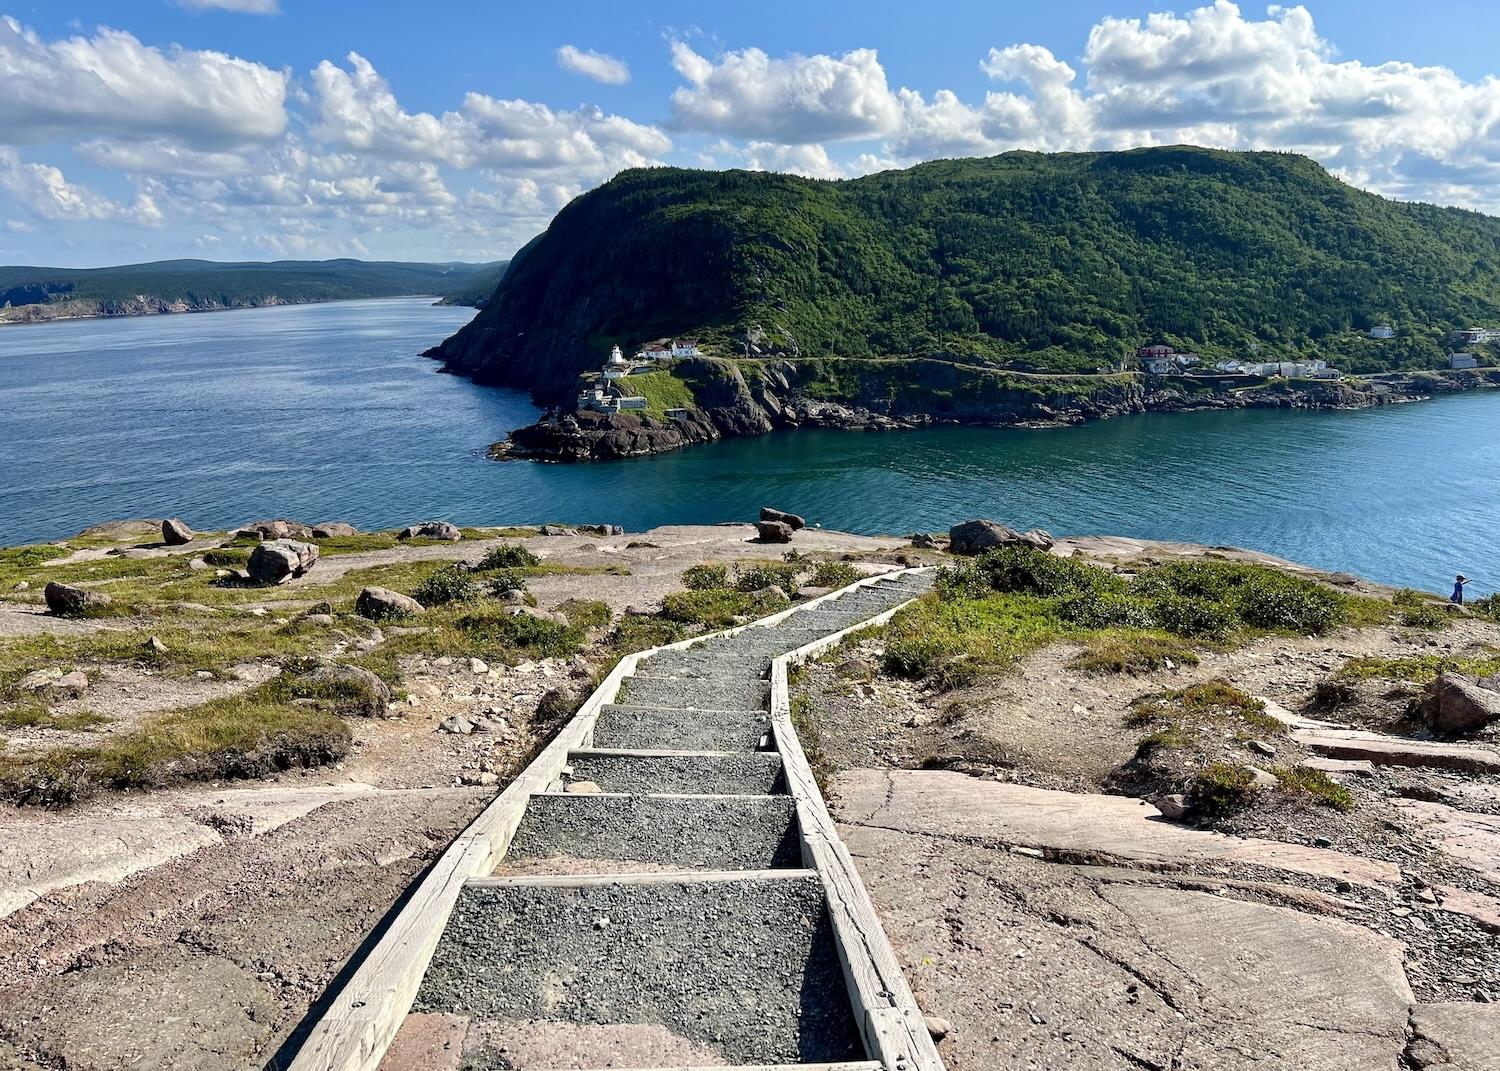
[(910, 394), (144, 305)]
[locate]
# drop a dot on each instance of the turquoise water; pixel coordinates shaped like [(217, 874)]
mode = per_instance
[(325, 412)]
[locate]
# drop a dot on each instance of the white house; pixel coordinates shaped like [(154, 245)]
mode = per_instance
[(1157, 366), (1228, 366), (655, 353), (596, 399), (1462, 360), (1382, 331), (1475, 335), (616, 367), (685, 348)]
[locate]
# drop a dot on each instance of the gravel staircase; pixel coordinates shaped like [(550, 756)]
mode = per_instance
[(667, 866)]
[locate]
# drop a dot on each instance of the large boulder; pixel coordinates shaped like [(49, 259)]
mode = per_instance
[(67, 601), (774, 531), (331, 529), (382, 604), (174, 533), (352, 691), (1452, 704), (280, 560), (790, 519), (433, 530), (976, 537)]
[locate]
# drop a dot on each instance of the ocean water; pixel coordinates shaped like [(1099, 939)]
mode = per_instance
[(326, 412)]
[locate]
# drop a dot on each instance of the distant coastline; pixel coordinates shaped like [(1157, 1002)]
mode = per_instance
[(66, 312)]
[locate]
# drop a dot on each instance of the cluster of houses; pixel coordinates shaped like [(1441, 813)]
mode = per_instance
[(1165, 361), (607, 393), (1469, 336)]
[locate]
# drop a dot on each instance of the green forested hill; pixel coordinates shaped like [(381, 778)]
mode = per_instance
[(1062, 262), (204, 283)]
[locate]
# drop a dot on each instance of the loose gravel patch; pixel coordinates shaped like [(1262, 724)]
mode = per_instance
[(644, 728), (747, 968)]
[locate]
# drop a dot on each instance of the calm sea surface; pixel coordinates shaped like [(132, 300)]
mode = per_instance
[(325, 412)]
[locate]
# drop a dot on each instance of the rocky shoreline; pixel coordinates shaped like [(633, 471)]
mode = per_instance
[(914, 394)]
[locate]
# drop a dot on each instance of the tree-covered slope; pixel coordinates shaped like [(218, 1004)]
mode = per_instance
[(1061, 262), (204, 283)]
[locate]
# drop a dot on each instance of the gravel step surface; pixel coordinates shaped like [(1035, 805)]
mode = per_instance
[(698, 692), (747, 968), (757, 773), (747, 833), (645, 728)]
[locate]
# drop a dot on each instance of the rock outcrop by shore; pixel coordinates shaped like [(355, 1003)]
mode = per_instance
[(921, 393)]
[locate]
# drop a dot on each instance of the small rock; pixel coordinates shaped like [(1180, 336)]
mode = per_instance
[(21, 585), (774, 531), (66, 601), (1260, 747), (198, 564), (1173, 807), (1262, 778), (1030, 853), (331, 529), (923, 540), (602, 922), (582, 788), (155, 646), (457, 725), (978, 536), (771, 592), (477, 665), (174, 533), (318, 619), (1323, 842), (381, 604), (39, 679), (937, 1027), (555, 530), (478, 777), (356, 691), (776, 516)]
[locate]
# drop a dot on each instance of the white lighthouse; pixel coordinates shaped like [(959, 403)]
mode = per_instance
[(615, 367)]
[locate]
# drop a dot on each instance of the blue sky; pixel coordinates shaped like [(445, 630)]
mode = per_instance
[(295, 128)]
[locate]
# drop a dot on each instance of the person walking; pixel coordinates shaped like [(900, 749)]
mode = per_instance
[(1457, 598)]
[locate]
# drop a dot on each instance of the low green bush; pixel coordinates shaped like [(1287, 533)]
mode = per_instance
[(754, 576), (704, 577), (834, 575), (508, 556), (710, 607), (447, 584)]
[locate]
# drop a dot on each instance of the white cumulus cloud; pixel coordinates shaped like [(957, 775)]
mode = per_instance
[(596, 65), (47, 193), (112, 82), (797, 100), (356, 109)]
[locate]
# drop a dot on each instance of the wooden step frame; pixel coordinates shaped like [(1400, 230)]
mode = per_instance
[(362, 1019)]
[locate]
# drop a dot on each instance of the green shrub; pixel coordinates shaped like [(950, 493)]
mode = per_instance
[(508, 556), (1028, 571), (1098, 608), (1134, 652), (757, 575), (1315, 785), (1272, 600), (1416, 610), (703, 577), (504, 581), (447, 584), (536, 636), (1221, 789), (638, 632), (1192, 616), (834, 575)]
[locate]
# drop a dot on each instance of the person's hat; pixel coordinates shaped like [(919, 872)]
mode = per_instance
[(1462, 577)]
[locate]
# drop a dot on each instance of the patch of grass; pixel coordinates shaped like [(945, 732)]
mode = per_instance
[(227, 557), (713, 608), (804, 721), (362, 543), (586, 613), (21, 563), (1420, 669), (953, 642), (662, 391), (533, 636), (1222, 788), (1116, 651), (1213, 701), (248, 735), (638, 632), (1414, 609), (1171, 736), (1314, 785), (507, 556)]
